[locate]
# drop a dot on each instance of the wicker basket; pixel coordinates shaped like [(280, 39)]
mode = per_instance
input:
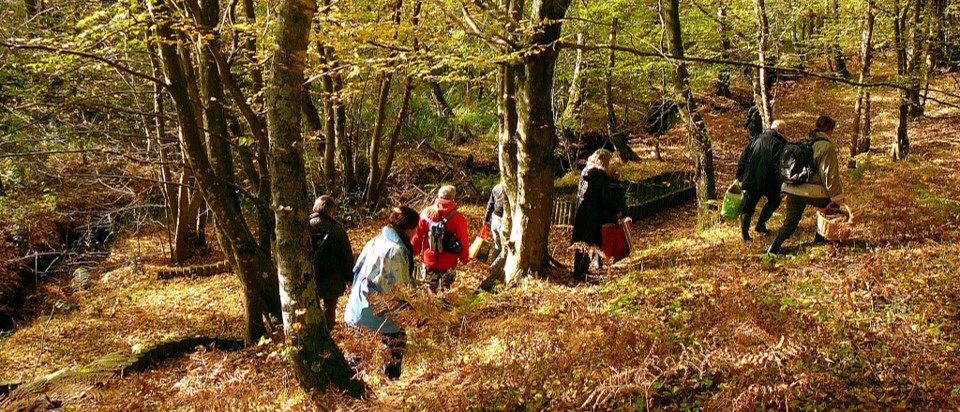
[(835, 226)]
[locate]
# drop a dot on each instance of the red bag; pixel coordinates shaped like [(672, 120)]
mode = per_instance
[(616, 241)]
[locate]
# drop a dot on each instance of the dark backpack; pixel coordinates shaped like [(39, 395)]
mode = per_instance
[(439, 239), (797, 165), (322, 250)]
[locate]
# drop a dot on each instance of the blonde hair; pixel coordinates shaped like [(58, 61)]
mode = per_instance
[(600, 159), (447, 192)]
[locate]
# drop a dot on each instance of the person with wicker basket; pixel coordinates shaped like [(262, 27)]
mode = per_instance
[(822, 189)]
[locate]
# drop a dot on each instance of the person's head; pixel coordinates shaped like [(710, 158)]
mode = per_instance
[(826, 124), (600, 159), (325, 205), (447, 193), (404, 220), (778, 126)]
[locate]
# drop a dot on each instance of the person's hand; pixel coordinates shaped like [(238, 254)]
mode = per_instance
[(627, 220), (783, 195)]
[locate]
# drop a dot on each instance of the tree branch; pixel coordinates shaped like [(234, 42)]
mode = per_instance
[(105, 60)]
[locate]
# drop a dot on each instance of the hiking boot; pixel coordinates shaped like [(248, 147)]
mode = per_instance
[(745, 227), (762, 229)]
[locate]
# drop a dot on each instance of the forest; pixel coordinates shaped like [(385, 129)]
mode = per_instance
[(164, 164)]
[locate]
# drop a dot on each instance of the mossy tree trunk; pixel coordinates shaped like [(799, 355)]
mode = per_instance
[(315, 356)]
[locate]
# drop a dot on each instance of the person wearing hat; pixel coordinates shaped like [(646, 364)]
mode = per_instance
[(438, 260)]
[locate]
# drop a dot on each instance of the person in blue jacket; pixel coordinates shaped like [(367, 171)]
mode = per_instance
[(385, 262)]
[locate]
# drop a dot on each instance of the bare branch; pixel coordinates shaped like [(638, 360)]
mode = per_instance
[(107, 61)]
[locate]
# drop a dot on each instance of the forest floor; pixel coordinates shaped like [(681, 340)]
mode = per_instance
[(692, 320)]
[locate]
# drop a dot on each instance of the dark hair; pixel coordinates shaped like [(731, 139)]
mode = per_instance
[(824, 124), (403, 218), (326, 205)]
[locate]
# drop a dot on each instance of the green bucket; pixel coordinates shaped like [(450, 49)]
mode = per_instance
[(732, 201)]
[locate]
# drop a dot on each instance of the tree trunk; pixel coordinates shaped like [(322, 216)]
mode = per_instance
[(572, 112), (246, 258), (836, 53), (861, 122), (901, 141), (915, 65), (723, 79), (618, 139), (536, 139), (704, 175), (762, 92), (329, 126), (933, 45), (608, 83), (507, 137), (316, 359)]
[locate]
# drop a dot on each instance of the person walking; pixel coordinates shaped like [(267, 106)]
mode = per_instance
[(385, 262), (492, 220), (823, 189), (596, 206), (759, 174), (442, 238), (332, 256)]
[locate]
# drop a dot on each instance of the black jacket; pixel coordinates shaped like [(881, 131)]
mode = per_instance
[(595, 206), (494, 204), (758, 168), (333, 263)]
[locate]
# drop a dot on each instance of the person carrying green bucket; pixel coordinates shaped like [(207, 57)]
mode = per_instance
[(758, 172)]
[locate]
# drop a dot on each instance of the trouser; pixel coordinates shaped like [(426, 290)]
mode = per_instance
[(750, 202), (330, 312), (794, 210), (496, 238), (582, 261), (397, 345), (438, 280)]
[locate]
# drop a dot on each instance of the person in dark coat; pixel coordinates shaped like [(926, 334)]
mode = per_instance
[(332, 256), (595, 207), (754, 123), (758, 172), (493, 220)]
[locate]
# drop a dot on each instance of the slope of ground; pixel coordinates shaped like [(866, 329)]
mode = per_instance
[(693, 320)]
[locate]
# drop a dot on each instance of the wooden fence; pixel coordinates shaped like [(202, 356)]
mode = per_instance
[(644, 198)]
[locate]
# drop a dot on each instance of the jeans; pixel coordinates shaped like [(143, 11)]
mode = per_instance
[(795, 207), (397, 345), (496, 238)]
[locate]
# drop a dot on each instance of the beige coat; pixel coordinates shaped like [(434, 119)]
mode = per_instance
[(826, 183)]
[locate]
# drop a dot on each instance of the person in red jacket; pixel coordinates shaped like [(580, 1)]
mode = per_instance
[(439, 267)]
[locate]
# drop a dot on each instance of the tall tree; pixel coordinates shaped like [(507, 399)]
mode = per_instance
[(861, 122), (900, 147), (704, 175), (527, 131), (619, 139), (723, 30), (837, 60), (260, 293), (762, 94), (315, 356)]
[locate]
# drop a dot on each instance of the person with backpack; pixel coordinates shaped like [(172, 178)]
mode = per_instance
[(332, 256), (385, 262), (759, 174), (442, 238), (811, 176), (596, 206), (492, 220), (754, 122)]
